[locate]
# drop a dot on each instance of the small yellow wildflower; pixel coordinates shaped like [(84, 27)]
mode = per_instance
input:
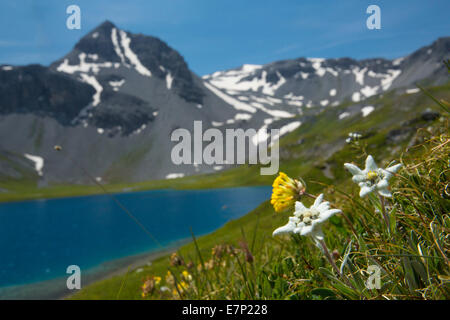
[(285, 192), (169, 278), (149, 285), (182, 286), (176, 260), (209, 264), (186, 275)]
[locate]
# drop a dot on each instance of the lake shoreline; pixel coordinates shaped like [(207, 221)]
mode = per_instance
[(102, 240), (55, 289), (74, 191)]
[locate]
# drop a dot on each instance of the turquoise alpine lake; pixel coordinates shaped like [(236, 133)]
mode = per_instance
[(39, 239)]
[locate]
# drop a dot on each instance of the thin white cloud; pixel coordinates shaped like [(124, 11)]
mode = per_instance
[(9, 44)]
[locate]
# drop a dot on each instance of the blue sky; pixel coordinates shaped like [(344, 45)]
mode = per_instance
[(215, 35)]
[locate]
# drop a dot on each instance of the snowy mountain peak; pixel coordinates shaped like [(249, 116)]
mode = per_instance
[(319, 82), (122, 95), (110, 50)]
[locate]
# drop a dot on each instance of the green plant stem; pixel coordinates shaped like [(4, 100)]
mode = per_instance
[(350, 224), (333, 264), (383, 211), (329, 257)]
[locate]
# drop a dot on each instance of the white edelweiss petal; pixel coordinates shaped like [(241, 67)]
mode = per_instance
[(370, 164), (366, 189), (299, 207), (328, 214), (359, 178), (299, 227), (394, 168), (297, 230), (354, 170), (287, 228), (386, 174), (317, 234), (318, 201), (324, 206), (385, 193), (306, 230), (389, 172), (383, 184)]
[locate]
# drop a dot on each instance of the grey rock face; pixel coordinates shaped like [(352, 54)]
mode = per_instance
[(37, 90)]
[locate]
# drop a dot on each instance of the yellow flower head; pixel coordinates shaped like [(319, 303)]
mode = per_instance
[(186, 275), (372, 175), (169, 277), (285, 192), (182, 286), (149, 285)]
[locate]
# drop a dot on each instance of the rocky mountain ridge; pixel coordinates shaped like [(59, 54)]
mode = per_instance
[(114, 100)]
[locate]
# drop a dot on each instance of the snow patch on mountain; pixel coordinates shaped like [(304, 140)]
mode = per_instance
[(317, 65), (116, 84), (242, 116), (398, 61), (324, 103), (295, 103), (369, 91), (367, 110), (413, 90), (117, 49), (356, 96), (238, 105), (169, 80), (304, 75), (262, 134), (343, 115), (132, 57), (217, 123), (174, 175), (387, 81), (140, 129), (97, 86), (38, 162), (83, 66), (269, 88), (233, 80), (291, 96), (359, 75), (285, 129)]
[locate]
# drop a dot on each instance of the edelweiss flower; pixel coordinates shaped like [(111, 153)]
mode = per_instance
[(372, 178), (285, 192), (308, 221), (353, 136)]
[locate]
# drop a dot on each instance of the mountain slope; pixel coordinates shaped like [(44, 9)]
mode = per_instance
[(114, 100)]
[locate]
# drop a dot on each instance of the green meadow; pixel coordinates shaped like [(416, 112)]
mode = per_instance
[(242, 260)]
